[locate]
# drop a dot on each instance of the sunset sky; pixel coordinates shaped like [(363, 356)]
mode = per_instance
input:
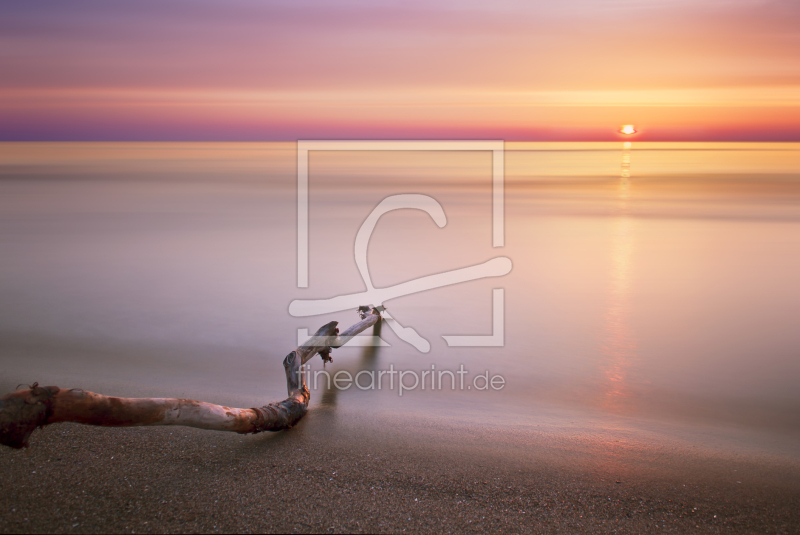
[(507, 69)]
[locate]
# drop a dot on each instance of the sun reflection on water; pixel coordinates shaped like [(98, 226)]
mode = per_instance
[(618, 341)]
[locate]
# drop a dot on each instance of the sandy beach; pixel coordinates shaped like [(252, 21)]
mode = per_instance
[(332, 474)]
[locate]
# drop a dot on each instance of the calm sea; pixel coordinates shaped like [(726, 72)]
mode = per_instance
[(656, 284)]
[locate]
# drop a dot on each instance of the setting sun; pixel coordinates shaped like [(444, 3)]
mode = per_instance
[(627, 129)]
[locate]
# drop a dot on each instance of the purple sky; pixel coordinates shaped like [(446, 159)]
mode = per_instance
[(252, 70)]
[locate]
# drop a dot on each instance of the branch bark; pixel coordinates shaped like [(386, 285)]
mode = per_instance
[(21, 412)]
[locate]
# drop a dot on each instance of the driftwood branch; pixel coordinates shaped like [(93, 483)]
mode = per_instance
[(21, 412)]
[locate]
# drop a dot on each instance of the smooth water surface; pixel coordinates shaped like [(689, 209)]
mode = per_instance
[(655, 283)]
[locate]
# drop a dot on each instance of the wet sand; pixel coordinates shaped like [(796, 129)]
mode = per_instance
[(385, 474)]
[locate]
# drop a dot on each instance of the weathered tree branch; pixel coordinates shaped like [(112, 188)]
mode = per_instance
[(21, 412)]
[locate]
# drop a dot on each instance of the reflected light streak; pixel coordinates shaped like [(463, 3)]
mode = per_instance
[(618, 343)]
